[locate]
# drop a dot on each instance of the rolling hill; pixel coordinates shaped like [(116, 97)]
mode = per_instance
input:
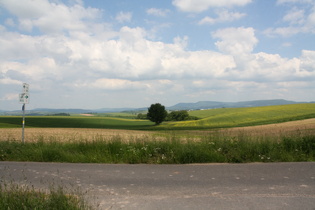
[(180, 106)]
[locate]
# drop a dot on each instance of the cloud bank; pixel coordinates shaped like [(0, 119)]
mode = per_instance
[(69, 52)]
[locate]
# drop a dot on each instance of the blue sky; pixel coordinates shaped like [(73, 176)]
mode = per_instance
[(132, 53)]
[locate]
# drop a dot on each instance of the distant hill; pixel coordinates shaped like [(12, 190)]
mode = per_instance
[(180, 106), (72, 111), (217, 104)]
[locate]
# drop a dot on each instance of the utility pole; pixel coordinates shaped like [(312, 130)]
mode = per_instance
[(24, 99)]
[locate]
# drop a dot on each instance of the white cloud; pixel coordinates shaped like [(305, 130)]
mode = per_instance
[(203, 5), (223, 16), (282, 31), (295, 16), (235, 41), (49, 17), (294, 1), (300, 20), (158, 12), (92, 59), (124, 17), (308, 62), (116, 84)]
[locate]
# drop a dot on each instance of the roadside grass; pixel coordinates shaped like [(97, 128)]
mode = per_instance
[(170, 149), (16, 197)]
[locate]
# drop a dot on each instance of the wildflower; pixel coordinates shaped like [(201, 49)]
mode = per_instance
[(163, 157)]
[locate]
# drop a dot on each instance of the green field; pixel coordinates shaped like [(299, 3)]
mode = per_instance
[(212, 118), (167, 145), (238, 117), (75, 122)]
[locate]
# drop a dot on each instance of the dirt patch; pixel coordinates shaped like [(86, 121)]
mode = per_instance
[(79, 134)]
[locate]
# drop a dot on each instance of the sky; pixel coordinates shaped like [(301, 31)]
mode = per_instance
[(93, 54)]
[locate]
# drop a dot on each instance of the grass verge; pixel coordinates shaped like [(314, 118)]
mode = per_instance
[(15, 197), (211, 148)]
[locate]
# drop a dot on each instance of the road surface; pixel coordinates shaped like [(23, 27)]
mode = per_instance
[(195, 186)]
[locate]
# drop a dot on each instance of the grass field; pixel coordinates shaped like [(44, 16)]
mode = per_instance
[(75, 122), (214, 138), (237, 117), (213, 118), (169, 148)]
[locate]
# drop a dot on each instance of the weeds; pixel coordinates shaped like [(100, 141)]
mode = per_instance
[(171, 150), (15, 197)]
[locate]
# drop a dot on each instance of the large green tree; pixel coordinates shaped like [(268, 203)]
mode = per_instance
[(157, 113)]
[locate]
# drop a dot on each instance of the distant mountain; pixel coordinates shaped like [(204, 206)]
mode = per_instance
[(107, 110), (70, 111), (216, 104)]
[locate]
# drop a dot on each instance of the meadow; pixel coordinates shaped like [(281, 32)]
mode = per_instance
[(214, 138), (75, 122), (239, 117), (209, 119)]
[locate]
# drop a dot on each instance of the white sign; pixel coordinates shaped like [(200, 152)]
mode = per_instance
[(24, 98), (25, 87)]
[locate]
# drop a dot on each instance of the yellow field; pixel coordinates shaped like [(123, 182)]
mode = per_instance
[(68, 134)]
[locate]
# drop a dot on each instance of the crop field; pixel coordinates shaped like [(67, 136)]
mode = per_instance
[(210, 119), (75, 122), (90, 134), (238, 117), (70, 134)]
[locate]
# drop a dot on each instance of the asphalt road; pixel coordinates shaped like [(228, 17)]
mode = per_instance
[(196, 186)]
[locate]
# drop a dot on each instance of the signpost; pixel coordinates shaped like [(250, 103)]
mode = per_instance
[(24, 99)]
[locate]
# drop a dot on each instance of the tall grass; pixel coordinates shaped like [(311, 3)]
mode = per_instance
[(171, 150), (15, 197)]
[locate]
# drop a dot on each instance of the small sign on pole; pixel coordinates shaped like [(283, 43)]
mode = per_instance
[(25, 87), (24, 98)]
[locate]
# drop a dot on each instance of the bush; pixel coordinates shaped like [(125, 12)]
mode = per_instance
[(177, 116), (141, 116)]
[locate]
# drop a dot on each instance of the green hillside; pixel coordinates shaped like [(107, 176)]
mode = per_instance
[(75, 122), (212, 118), (235, 117)]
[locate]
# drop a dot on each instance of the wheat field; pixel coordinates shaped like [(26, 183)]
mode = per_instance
[(85, 134)]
